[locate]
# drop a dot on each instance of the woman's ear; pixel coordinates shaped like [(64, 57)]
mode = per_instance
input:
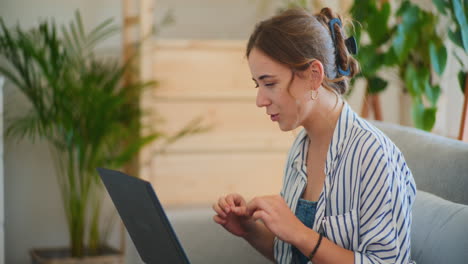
[(316, 74)]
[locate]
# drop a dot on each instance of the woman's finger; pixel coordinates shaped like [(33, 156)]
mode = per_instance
[(219, 211), (258, 203), (224, 205), (260, 214), (219, 220), (240, 210), (237, 200), (230, 200)]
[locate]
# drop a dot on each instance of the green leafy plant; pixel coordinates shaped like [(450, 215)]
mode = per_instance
[(412, 46), (81, 106), (372, 20), (457, 12), (420, 52)]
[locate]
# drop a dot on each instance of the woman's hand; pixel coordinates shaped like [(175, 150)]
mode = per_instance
[(231, 213), (276, 215)]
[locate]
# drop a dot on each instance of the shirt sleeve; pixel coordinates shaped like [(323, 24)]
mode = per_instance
[(387, 193)]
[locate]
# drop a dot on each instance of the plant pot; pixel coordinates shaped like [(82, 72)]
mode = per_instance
[(108, 255)]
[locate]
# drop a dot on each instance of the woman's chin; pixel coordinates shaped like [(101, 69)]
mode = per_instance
[(285, 128)]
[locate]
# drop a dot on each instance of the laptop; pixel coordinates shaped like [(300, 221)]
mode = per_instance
[(144, 218)]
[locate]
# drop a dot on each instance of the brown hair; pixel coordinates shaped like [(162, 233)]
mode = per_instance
[(296, 37)]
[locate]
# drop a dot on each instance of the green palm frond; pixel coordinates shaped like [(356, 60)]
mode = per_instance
[(82, 44), (26, 126)]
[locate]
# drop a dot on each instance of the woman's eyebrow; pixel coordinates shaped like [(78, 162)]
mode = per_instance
[(264, 76)]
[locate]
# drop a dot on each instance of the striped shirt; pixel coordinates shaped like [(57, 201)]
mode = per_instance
[(366, 200)]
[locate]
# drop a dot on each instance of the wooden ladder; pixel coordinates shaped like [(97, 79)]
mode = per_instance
[(463, 135), (137, 24), (137, 31)]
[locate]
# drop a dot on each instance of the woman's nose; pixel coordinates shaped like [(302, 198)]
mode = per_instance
[(262, 100)]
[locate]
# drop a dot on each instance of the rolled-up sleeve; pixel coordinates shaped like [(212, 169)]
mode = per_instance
[(387, 192)]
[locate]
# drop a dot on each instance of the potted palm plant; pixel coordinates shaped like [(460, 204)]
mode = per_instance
[(87, 114)]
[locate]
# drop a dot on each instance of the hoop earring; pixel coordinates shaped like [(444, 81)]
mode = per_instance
[(312, 95)]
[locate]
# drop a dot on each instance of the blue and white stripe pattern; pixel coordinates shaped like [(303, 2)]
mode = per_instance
[(365, 205)]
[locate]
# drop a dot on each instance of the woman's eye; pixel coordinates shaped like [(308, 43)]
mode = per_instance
[(266, 84)]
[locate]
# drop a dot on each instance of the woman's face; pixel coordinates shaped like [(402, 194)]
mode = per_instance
[(284, 97)]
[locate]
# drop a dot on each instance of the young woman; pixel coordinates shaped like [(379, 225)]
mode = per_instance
[(347, 192)]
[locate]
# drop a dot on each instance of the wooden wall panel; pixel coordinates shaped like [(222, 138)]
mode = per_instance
[(202, 178), (203, 70), (233, 126)]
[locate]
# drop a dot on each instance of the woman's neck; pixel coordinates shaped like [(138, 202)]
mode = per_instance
[(322, 121)]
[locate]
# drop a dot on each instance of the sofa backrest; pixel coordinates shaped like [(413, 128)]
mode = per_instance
[(439, 165)]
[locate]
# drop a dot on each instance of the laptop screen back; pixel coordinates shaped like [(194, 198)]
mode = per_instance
[(144, 218)]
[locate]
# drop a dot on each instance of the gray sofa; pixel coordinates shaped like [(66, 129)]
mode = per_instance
[(440, 213)]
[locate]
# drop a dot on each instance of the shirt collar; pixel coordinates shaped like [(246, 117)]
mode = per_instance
[(343, 126), (344, 123), (300, 153)]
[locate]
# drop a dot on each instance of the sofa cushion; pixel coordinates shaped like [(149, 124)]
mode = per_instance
[(439, 230), (206, 242)]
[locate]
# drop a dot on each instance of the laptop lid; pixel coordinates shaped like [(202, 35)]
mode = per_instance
[(144, 218)]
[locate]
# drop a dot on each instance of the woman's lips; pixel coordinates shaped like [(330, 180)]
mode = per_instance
[(274, 117)]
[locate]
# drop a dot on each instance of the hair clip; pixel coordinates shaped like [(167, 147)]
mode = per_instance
[(332, 28), (350, 42), (351, 45), (342, 72)]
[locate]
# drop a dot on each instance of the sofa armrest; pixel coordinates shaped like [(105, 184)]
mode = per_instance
[(439, 230)]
